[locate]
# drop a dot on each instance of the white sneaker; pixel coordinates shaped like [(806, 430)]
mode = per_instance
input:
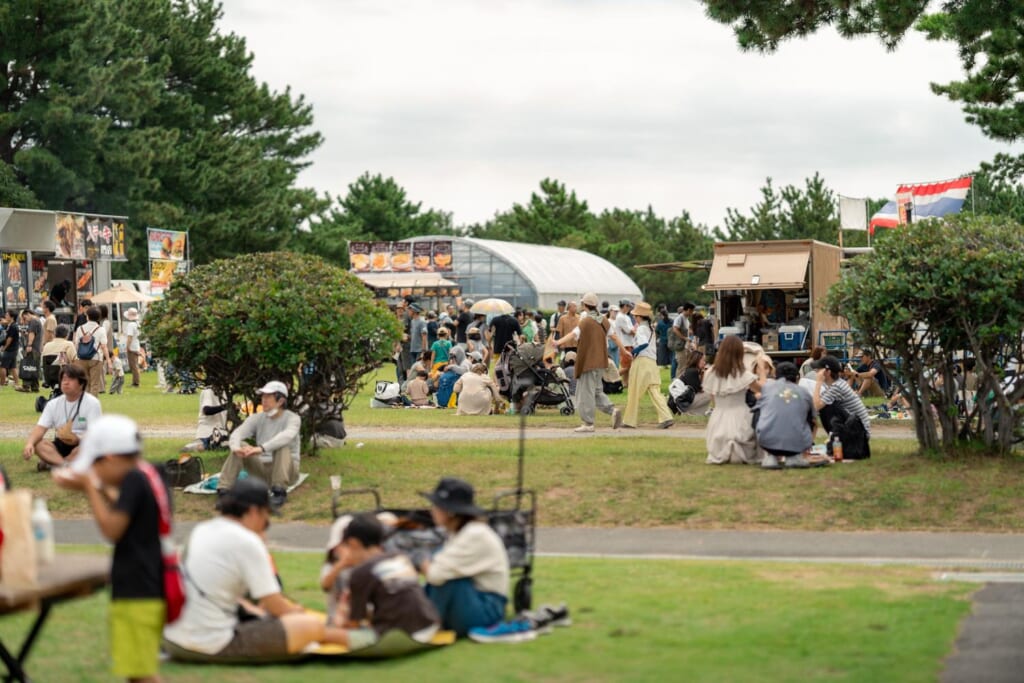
[(770, 462), (584, 428)]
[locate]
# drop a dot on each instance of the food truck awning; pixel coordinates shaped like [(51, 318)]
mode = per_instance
[(759, 266), (27, 229), (404, 280)]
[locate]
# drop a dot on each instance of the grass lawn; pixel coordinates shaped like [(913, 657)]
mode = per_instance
[(635, 621), (641, 481)]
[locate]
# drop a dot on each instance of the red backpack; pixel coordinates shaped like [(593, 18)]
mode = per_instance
[(174, 583)]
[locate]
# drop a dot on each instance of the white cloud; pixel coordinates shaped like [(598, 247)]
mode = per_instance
[(469, 104)]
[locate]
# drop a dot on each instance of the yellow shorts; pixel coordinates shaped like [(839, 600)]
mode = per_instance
[(136, 626)]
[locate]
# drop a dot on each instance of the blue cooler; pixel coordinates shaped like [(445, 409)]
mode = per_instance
[(792, 337)]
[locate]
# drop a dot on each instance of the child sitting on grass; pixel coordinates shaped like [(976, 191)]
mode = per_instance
[(418, 390), (383, 592)]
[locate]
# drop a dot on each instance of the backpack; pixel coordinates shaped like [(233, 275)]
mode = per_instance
[(87, 344), (680, 396)]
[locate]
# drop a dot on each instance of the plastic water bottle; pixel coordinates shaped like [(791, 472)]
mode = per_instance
[(42, 529), (837, 449)]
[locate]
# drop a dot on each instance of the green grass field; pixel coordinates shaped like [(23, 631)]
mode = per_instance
[(634, 621)]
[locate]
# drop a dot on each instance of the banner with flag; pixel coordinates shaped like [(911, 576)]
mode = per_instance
[(922, 201)]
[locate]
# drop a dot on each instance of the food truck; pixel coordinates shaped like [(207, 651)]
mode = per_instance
[(64, 256), (774, 293)]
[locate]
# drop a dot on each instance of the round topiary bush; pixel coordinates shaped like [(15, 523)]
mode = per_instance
[(236, 323)]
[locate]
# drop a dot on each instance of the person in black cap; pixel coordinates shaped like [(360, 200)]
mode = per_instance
[(553, 321), (785, 420), (842, 412), (227, 560), (467, 580)]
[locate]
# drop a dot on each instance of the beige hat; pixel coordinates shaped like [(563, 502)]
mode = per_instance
[(642, 308), (131, 314), (590, 299)]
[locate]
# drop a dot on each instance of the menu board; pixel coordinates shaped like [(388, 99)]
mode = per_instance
[(84, 281), (442, 256), (81, 237), (40, 291), (15, 280), (401, 257), (359, 256), (423, 256)]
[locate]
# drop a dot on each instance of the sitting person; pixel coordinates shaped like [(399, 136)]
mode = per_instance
[(476, 391), (692, 376), (384, 592), (213, 422), (69, 415), (730, 434), (274, 453), (457, 362), (568, 366), (805, 368), (871, 376), (225, 561), (334, 574), (842, 412), (418, 390), (786, 419), (422, 363), (445, 393), (467, 580)]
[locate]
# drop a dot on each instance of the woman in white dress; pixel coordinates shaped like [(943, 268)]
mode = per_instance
[(476, 392), (730, 434)]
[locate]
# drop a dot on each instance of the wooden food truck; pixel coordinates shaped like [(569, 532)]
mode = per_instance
[(774, 293)]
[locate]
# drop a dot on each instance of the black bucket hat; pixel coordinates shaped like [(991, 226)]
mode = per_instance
[(454, 496)]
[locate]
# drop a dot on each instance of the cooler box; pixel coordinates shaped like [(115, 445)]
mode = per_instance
[(724, 332), (792, 337)]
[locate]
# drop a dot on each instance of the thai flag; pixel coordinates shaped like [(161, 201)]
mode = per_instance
[(928, 200)]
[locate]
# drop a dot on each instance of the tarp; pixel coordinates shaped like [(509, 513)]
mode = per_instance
[(759, 267)]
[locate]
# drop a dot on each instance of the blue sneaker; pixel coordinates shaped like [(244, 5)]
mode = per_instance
[(513, 631)]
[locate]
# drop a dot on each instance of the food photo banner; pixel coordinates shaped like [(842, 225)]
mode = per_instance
[(400, 257), (167, 245), (15, 280), (82, 237)]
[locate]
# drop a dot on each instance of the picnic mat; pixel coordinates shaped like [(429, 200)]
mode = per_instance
[(208, 486), (394, 643)]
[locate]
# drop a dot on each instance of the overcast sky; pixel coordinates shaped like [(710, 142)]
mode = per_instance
[(469, 104)]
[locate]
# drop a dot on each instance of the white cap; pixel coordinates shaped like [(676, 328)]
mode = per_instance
[(131, 314), (273, 387), (337, 531), (108, 435)]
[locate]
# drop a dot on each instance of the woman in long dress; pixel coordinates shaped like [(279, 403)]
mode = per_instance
[(730, 434)]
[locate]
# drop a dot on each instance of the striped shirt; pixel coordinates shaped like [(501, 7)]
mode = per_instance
[(839, 392)]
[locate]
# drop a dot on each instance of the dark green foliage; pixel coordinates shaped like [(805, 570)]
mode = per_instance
[(931, 293), (144, 108), (988, 36), (235, 324)]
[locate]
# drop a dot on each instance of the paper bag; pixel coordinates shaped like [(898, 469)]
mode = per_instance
[(18, 560)]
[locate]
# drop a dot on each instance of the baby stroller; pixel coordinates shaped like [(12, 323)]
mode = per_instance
[(51, 381), (523, 377)]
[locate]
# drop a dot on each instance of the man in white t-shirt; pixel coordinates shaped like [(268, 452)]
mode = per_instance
[(131, 332), (94, 364), (72, 412), (625, 330), (226, 561)]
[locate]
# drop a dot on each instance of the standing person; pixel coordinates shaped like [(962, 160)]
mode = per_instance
[(132, 345), (467, 580), (504, 328), (730, 434), (613, 339), (661, 329), (786, 420), (116, 372), (417, 334), (227, 560), (590, 340), (82, 318), (432, 327), (528, 327), (681, 331), (49, 321), (9, 347), (112, 450), (33, 347), (567, 322), (463, 320), (555, 317), (440, 350), (646, 376), (69, 415), (93, 355), (108, 330), (274, 454), (625, 330)]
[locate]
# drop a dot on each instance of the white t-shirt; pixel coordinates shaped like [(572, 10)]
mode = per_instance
[(643, 336), (681, 324), (59, 411), (131, 335), (207, 423), (226, 561), (98, 334), (624, 329)]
